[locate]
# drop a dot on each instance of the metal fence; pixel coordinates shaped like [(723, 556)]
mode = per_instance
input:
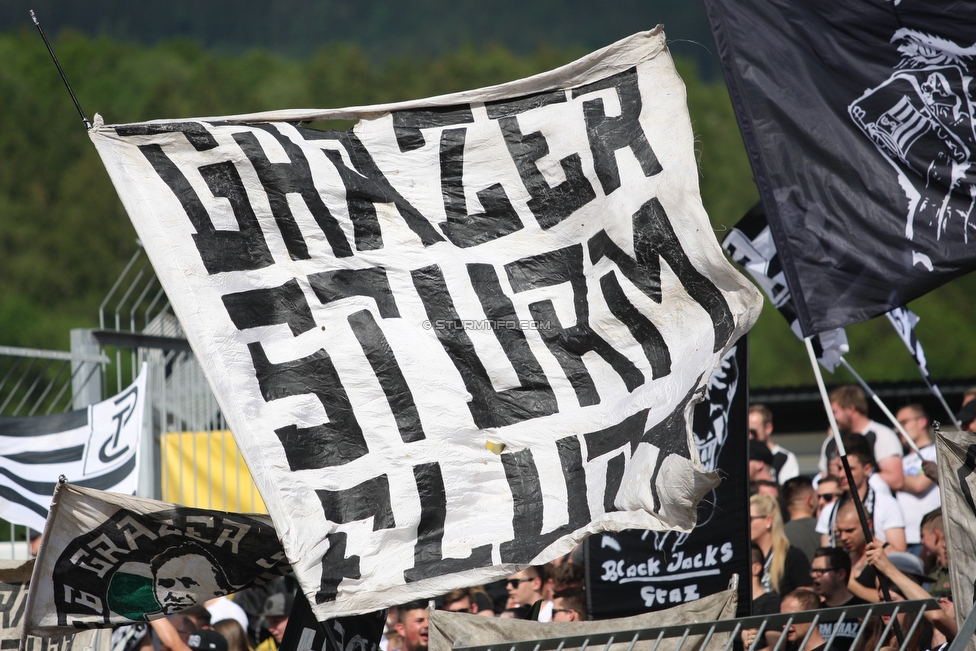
[(722, 634)]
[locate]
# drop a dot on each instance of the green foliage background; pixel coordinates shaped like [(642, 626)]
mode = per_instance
[(64, 236)]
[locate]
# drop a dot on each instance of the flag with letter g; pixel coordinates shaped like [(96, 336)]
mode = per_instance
[(459, 337)]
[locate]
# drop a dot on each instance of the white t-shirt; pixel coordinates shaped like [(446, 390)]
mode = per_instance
[(790, 469), (887, 515), (886, 444), (916, 506)]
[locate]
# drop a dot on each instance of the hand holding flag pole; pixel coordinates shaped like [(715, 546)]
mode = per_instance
[(842, 452), (884, 408)]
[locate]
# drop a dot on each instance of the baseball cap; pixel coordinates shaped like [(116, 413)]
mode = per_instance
[(278, 605), (967, 413), (206, 639), (910, 565), (759, 452)]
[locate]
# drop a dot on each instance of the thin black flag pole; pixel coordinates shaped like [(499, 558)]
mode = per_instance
[(63, 77), (842, 452)]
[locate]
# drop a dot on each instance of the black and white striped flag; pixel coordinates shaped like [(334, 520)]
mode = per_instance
[(750, 243), (463, 335), (95, 447)]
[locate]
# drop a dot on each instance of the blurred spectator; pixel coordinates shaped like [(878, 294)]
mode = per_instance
[(784, 567), (223, 608), (461, 600), (763, 602), (967, 416), (412, 625), (784, 463), (906, 574), (797, 601), (849, 535), (206, 639), (881, 508), (764, 487), (199, 614), (760, 462), (567, 575), (277, 608), (831, 572), (828, 490), (800, 501), (234, 633), (525, 587), (935, 551), (850, 407), (920, 494), (569, 606)]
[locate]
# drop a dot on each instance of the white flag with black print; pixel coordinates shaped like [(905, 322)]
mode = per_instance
[(97, 447), (904, 320), (459, 337), (750, 243)]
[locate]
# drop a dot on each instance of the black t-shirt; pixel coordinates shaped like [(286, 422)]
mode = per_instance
[(796, 572), (848, 629), (766, 604)]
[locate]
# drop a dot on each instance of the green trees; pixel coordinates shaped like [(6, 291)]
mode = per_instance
[(64, 236)]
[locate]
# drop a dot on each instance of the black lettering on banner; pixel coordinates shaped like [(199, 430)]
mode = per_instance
[(489, 408), (11, 595), (670, 437), (359, 203), (609, 134), (196, 134), (615, 476), (332, 286), (534, 385), (568, 345), (270, 306), (654, 239), (499, 218), (550, 205), (220, 251), (506, 108), (643, 330), (332, 444), (428, 555), (628, 431), (523, 481), (370, 499), (373, 187), (295, 177), (336, 285), (407, 124), (383, 362), (336, 566)]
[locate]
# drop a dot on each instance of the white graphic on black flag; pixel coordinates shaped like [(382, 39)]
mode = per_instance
[(921, 120)]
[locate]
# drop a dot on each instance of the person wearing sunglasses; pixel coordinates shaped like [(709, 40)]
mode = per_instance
[(828, 490), (569, 605), (525, 587)]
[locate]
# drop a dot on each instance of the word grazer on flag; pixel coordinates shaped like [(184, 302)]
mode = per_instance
[(96, 447), (858, 121), (108, 559), (315, 274), (750, 243), (14, 588)]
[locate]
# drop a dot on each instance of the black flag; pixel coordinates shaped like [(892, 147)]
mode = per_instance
[(858, 120), (354, 633)]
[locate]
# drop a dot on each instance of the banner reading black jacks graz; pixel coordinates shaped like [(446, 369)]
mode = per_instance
[(108, 559), (460, 337), (859, 123), (636, 571)]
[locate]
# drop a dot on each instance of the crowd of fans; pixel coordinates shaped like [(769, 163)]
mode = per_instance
[(809, 551), (809, 548)]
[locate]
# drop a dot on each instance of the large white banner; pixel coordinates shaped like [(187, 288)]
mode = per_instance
[(95, 447), (459, 337)]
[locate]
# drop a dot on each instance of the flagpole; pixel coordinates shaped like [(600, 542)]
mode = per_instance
[(884, 408), (63, 77), (934, 388), (842, 452)]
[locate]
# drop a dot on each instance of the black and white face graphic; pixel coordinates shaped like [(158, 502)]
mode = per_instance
[(921, 120), (180, 581)]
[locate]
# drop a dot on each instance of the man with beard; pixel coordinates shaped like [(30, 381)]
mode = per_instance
[(831, 571)]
